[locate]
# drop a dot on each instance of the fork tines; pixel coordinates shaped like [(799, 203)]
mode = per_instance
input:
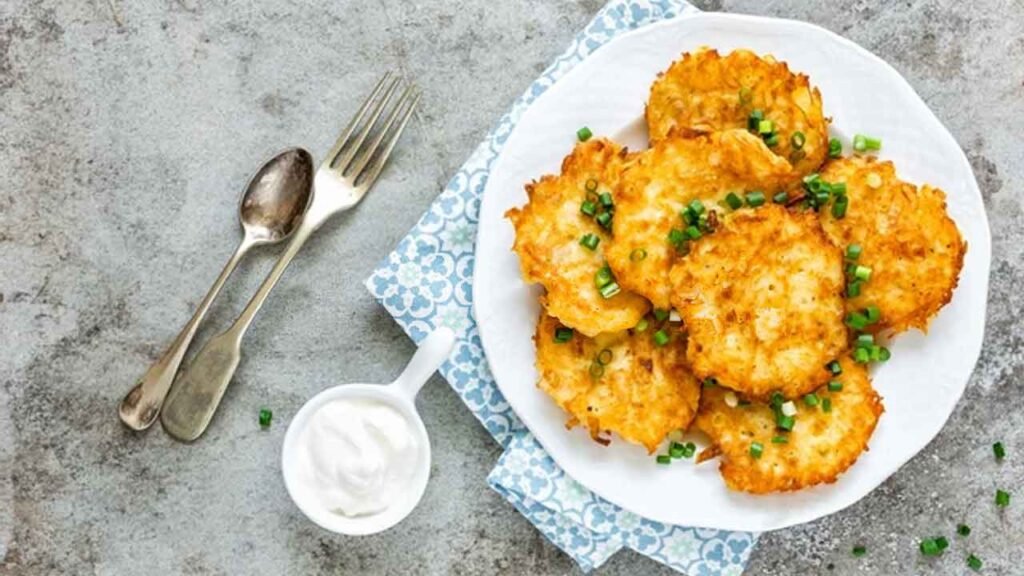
[(363, 148)]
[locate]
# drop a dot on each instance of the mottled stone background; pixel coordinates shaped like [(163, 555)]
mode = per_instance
[(127, 130)]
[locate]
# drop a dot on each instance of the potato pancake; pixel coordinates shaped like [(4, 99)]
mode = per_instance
[(911, 245), (660, 182), (762, 301), (561, 247), (704, 92), (829, 432), (619, 382)]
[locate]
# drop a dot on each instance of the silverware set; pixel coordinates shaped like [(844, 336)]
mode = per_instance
[(285, 200)]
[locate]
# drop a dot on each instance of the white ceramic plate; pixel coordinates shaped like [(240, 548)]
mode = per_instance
[(921, 384)]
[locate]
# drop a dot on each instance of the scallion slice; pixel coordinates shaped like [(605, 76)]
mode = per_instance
[(610, 289), (664, 459), (856, 320), (584, 134), (637, 254), (1002, 498), (839, 207), (588, 207), (755, 198), (780, 197), (999, 450), (756, 449), (973, 562), (811, 399), (590, 241), (862, 143), (563, 334), (641, 325), (754, 120), (734, 201), (853, 289), (661, 314), (834, 367), (604, 219), (835, 386), (826, 404), (963, 529), (835, 148), (797, 140), (859, 551), (780, 439)]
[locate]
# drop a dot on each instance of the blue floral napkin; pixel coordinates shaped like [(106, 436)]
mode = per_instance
[(427, 282)]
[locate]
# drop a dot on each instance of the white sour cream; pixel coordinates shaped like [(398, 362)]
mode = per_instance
[(358, 456)]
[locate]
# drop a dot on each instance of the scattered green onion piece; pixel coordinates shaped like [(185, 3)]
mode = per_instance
[(664, 459), (856, 320), (610, 289), (265, 417), (563, 334), (765, 127), (660, 314), (676, 450), (660, 338), (591, 185), (859, 551), (853, 289), (862, 143), (873, 314), (693, 233), (835, 386), (853, 251), (691, 449), (812, 177), (604, 357), (963, 529), (734, 201), (596, 370), (811, 399), (604, 219), (584, 134), (884, 354), (784, 422), (942, 543), (835, 148), (590, 241), (588, 207), (839, 207), (862, 273), (797, 140), (780, 439), (1002, 498), (709, 382), (864, 340), (999, 450), (641, 325), (839, 188), (637, 254), (606, 199), (756, 449), (603, 277), (826, 405), (771, 140), (776, 400), (780, 197), (696, 207), (929, 547), (834, 367), (862, 355), (745, 95), (973, 562), (755, 198), (754, 120), (676, 236)]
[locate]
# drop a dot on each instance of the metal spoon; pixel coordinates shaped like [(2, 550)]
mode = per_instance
[(270, 210)]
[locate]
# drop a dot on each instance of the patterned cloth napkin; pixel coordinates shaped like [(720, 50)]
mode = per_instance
[(427, 282)]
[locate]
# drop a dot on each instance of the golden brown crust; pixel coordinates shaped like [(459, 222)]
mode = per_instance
[(643, 393), (821, 446), (762, 301), (660, 182), (548, 231), (912, 246), (704, 92)]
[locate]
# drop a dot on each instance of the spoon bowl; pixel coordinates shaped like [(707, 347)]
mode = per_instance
[(277, 196)]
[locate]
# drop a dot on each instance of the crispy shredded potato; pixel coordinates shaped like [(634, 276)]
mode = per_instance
[(642, 393), (821, 446), (762, 300), (660, 182), (704, 92), (912, 246), (548, 232)]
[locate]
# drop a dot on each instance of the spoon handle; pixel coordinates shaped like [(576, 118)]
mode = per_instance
[(141, 405), (433, 351)]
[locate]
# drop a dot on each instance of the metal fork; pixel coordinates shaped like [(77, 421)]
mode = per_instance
[(342, 180)]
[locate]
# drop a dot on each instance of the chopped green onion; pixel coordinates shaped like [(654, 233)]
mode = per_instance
[(942, 543), (856, 320), (853, 289), (826, 405), (588, 207), (864, 340), (853, 251), (709, 382), (963, 529), (784, 422), (692, 232), (780, 439), (776, 400), (754, 120), (834, 367), (930, 547), (610, 289), (812, 177), (603, 276), (884, 354), (589, 241), (1002, 498), (835, 386), (999, 451), (839, 207), (862, 143), (265, 417), (563, 334), (811, 399), (637, 254), (765, 127), (839, 188), (797, 140), (780, 197), (596, 370), (733, 200), (604, 357), (755, 198), (873, 314), (859, 551), (835, 148), (691, 449), (861, 355), (664, 459), (745, 95), (660, 338), (676, 236), (604, 219), (756, 449), (660, 315), (584, 134), (606, 199), (641, 325), (676, 450), (973, 562), (862, 272), (696, 207), (771, 140), (591, 185)]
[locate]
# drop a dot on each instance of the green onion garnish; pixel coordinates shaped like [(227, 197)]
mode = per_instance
[(780, 197), (660, 315), (734, 201), (884, 354), (676, 450), (999, 451), (835, 148), (692, 232), (862, 272), (589, 241), (664, 459), (973, 562), (676, 236), (265, 417), (756, 449), (606, 199), (596, 370), (784, 422), (765, 127), (859, 551), (839, 188), (563, 334), (696, 207), (755, 198), (853, 289), (661, 338), (604, 357), (835, 386), (930, 547), (771, 140), (862, 143), (637, 254), (691, 449), (604, 219), (588, 207), (591, 185), (1002, 498), (834, 367), (710, 382), (826, 405), (856, 320), (811, 399), (584, 134), (839, 207), (603, 276), (641, 325), (873, 314), (780, 439), (963, 529), (610, 289), (853, 251), (754, 120), (797, 140), (861, 355), (864, 340)]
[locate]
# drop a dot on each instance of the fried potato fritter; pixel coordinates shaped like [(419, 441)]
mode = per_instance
[(549, 229), (704, 92), (822, 445), (656, 186), (912, 246), (642, 391), (762, 300)]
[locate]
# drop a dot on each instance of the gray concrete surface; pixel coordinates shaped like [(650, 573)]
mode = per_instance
[(126, 132)]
